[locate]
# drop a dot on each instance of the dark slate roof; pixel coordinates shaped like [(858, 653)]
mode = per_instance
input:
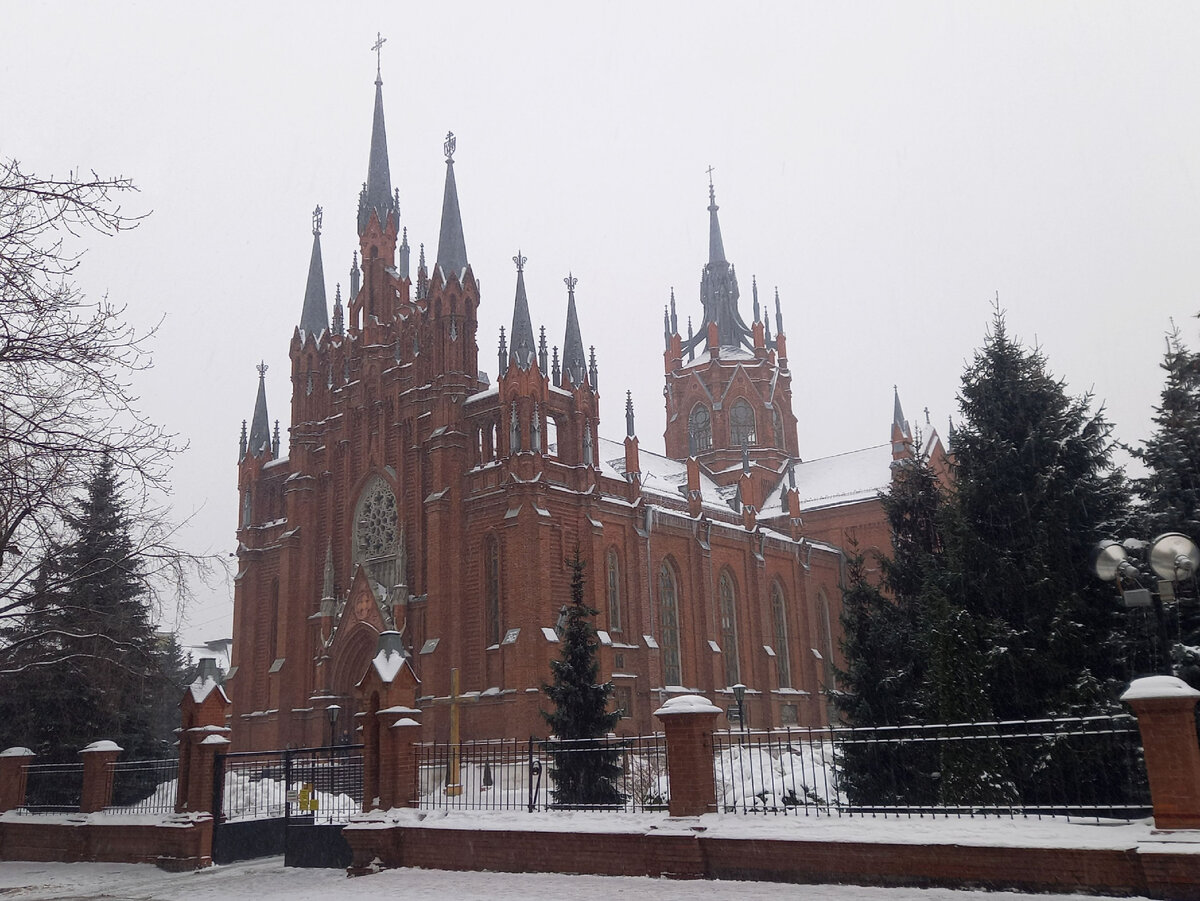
[(377, 195), (452, 248), (574, 363), (523, 349), (314, 318), (260, 428)]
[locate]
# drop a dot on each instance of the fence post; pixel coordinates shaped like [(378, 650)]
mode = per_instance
[(98, 758), (1165, 709), (202, 785), (13, 774), (688, 723), (398, 757)]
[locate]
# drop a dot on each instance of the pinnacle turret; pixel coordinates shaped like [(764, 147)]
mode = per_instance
[(523, 349), (260, 427), (314, 318), (574, 364), (719, 291), (452, 248)]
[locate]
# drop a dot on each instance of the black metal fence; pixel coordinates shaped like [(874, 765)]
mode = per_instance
[(144, 786), (323, 784), (1077, 767), (540, 774), (53, 787)]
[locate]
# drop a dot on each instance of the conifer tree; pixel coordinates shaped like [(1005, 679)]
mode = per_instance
[(584, 772), (1170, 489), (84, 662), (1035, 489)]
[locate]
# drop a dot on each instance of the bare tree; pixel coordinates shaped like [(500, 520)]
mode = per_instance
[(67, 404)]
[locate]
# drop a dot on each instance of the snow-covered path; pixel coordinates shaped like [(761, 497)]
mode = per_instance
[(268, 879)]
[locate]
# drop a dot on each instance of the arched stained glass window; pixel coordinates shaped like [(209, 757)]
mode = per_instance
[(699, 429), (783, 661), (741, 424), (491, 590), (613, 584), (668, 604), (729, 635)]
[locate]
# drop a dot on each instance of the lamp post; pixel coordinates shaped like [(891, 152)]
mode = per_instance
[(739, 697), (1173, 557), (332, 711)]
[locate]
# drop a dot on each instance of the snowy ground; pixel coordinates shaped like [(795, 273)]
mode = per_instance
[(268, 879)]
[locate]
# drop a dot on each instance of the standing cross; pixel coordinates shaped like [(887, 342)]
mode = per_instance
[(377, 47), (710, 172), (262, 370), (317, 214)]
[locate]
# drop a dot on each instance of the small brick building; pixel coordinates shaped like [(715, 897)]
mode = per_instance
[(421, 496)]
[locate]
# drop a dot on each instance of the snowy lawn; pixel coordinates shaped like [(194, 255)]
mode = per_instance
[(268, 879)]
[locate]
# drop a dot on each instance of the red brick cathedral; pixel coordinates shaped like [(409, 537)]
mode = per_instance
[(422, 497)]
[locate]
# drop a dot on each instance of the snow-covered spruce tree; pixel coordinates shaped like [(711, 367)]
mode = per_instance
[(876, 688), (1034, 490), (84, 662), (584, 772), (1170, 490)]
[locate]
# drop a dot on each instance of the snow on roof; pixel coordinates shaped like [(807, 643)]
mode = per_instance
[(16, 752), (726, 354), (103, 745), (661, 475), (841, 479), (201, 689), (388, 664)]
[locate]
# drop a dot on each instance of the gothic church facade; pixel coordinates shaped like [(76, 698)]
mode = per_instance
[(419, 496)]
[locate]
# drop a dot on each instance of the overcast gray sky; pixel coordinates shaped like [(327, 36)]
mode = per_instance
[(890, 167)]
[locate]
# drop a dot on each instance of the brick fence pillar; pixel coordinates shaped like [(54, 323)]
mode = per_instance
[(397, 758), (98, 758), (12, 777), (688, 722), (1165, 710), (200, 786)]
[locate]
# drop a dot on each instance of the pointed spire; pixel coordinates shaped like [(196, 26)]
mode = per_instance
[(629, 429), (275, 441), (555, 372), (523, 349), (674, 318), (666, 327), (503, 356), (339, 323), (898, 413), (355, 275), (377, 194), (716, 247), (754, 290), (260, 426), (573, 362), (402, 266), (452, 249), (314, 317), (422, 275), (593, 372), (778, 314), (543, 358), (242, 442)]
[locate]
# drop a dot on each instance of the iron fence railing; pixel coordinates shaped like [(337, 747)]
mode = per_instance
[(1077, 767), (325, 784), (144, 786), (53, 787), (542, 774)]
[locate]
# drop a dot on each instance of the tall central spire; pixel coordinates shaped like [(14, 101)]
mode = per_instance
[(719, 290), (377, 194)]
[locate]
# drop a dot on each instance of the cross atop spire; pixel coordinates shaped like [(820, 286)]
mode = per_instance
[(316, 220), (262, 368), (380, 40), (520, 261), (449, 145)]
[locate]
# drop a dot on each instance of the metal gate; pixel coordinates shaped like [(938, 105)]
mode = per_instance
[(292, 802)]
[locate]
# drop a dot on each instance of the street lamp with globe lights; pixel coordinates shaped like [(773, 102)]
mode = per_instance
[(1173, 557)]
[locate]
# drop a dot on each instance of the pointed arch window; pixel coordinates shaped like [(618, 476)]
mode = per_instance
[(699, 429), (491, 590), (826, 642), (613, 585), (783, 661), (668, 604), (741, 424), (729, 635)]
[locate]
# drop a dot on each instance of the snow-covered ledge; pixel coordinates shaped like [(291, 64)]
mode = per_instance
[(1158, 687), (687, 704)]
